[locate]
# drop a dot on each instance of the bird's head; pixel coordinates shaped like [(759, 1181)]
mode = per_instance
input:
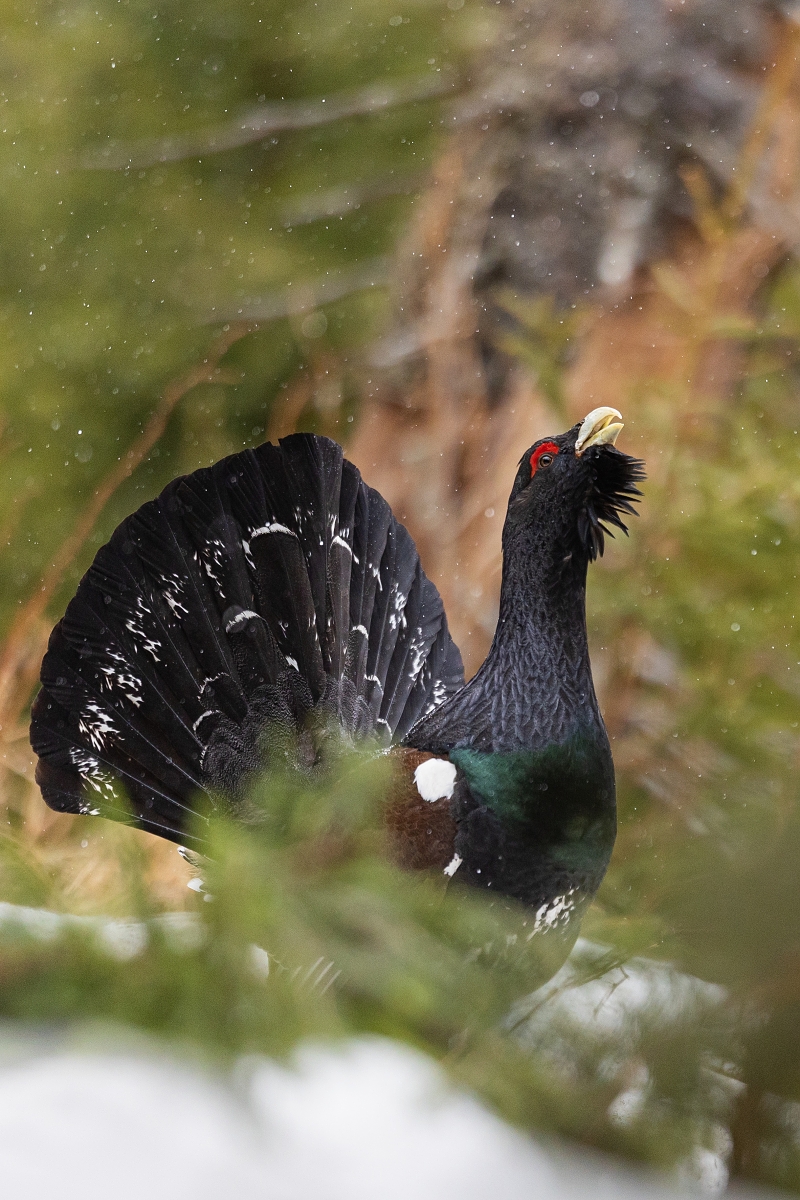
[(572, 487)]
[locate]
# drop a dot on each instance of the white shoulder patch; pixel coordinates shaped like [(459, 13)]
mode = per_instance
[(435, 779)]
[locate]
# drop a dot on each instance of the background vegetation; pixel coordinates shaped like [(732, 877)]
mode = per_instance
[(231, 221)]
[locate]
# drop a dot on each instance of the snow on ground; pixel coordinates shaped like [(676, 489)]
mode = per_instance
[(369, 1119)]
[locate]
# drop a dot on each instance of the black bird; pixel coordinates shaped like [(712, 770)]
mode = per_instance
[(276, 592)]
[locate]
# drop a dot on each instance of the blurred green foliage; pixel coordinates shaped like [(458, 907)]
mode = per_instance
[(305, 929), (141, 213)]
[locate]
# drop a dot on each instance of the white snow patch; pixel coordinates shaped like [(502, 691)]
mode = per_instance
[(369, 1119)]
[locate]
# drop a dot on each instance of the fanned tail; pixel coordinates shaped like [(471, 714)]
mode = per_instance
[(243, 600)]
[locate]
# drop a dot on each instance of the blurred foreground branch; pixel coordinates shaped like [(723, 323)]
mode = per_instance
[(307, 294), (265, 120)]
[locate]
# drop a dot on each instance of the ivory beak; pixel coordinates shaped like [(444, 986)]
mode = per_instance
[(601, 428)]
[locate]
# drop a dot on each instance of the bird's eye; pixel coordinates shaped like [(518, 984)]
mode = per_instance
[(543, 456)]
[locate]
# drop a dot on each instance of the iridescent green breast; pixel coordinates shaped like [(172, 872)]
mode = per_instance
[(559, 801)]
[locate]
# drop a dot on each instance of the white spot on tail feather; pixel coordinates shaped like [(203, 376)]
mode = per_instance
[(248, 556), (135, 625), (95, 723), (397, 605), (215, 561), (125, 680), (93, 775), (419, 652), (275, 527), (435, 779), (173, 594), (208, 713), (245, 615)]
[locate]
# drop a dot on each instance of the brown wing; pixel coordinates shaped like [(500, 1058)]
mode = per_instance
[(421, 832)]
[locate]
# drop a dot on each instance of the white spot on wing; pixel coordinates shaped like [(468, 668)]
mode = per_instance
[(397, 603), (438, 696), (435, 779), (453, 865)]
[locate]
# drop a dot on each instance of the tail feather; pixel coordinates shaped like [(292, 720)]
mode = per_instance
[(95, 665), (380, 521), (114, 731), (287, 604), (174, 595), (245, 598), (340, 574), (437, 681), (356, 658), (124, 791), (424, 619), (103, 766), (313, 470), (397, 580)]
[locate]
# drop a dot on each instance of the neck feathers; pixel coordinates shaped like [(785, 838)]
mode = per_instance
[(535, 687)]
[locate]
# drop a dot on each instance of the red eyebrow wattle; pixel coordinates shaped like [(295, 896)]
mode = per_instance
[(545, 448)]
